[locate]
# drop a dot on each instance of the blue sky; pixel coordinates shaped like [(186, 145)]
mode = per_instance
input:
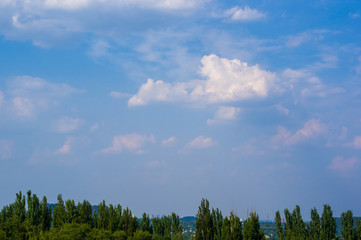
[(155, 104)]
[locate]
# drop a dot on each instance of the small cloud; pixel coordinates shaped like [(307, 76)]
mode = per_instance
[(282, 110), (67, 124), (296, 40), (152, 164), (311, 129), (245, 14), (356, 143), (131, 142), (94, 127), (354, 15), (224, 114), (344, 167), (6, 149), (169, 141), (66, 147), (23, 107), (201, 142), (115, 94)]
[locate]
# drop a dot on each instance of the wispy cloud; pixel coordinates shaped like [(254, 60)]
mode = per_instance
[(67, 124), (311, 129), (344, 167), (66, 148), (201, 142), (130, 142), (168, 142), (6, 148)]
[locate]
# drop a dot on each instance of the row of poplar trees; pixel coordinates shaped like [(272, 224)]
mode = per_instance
[(319, 228), (30, 218), (210, 225)]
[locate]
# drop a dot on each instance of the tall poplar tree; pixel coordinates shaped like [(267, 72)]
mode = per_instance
[(279, 228), (347, 225), (204, 222), (328, 224)]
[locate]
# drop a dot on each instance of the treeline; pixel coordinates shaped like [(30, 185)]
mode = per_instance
[(319, 228), (30, 218)]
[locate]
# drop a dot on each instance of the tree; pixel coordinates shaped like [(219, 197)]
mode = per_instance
[(298, 226), (204, 223), (217, 222), (145, 223), (347, 225), (59, 214), (251, 230), (328, 224), (45, 215), (315, 225), (280, 233), (358, 229), (289, 225)]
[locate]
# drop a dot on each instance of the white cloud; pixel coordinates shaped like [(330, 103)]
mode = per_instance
[(6, 149), (23, 107), (71, 5), (67, 124), (223, 114), (31, 95), (245, 14), (201, 142), (344, 167), (310, 85), (282, 110), (27, 86), (131, 142), (66, 148), (296, 40), (311, 129), (169, 141), (94, 127), (227, 81), (354, 15)]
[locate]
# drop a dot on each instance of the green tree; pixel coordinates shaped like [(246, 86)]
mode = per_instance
[(251, 230), (289, 225), (280, 233), (217, 222), (226, 229), (45, 215), (142, 235), (315, 225), (204, 223), (71, 211), (347, 225), (298, 227), (328, 224), (145, 223), (358, 229), (59, 214)]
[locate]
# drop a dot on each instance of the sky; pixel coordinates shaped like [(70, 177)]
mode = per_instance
[(156, 104)]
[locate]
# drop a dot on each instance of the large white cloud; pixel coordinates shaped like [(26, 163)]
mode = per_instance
[(226, 81)]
